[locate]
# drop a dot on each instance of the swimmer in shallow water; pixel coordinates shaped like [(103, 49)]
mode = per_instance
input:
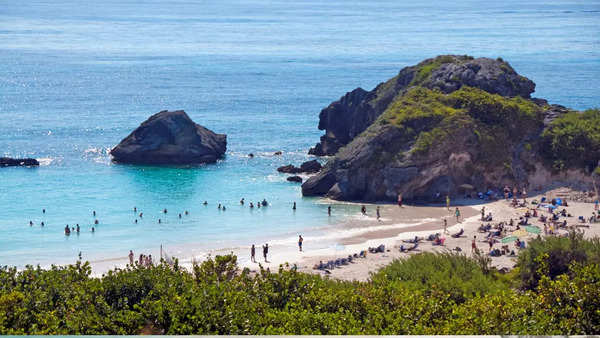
[(294, 207), (93, 229), (205, 203), (219, 207), (30, 223), (251, 205), (43, 211), (42, 224), (159, 221), (96, 222), (135, 221), (141, 214), (179, 215), (186, 213), (94, 213), (164, 211), (224, 208), (134, 209), (242, 201)]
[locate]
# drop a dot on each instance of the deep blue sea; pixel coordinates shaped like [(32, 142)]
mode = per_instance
[(78, 76)]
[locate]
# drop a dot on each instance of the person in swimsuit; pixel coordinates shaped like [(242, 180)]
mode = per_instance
[(300, 240)]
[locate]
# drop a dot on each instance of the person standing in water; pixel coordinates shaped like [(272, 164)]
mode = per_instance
[(300, 240), (329, 210), (266, 251), (131, 257), (294, 206), (252, 254), (363, 210), (457, 214), (378, 213)]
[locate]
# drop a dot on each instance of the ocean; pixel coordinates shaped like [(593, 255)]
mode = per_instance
[(76, 77)]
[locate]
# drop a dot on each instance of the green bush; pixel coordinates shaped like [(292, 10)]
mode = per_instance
[(422, 294)]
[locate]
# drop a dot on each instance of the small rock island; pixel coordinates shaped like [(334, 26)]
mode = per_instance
[(18, 162), (170, 137)]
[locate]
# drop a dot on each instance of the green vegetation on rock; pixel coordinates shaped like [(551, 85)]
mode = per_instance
[(573, 140), (422, 294)]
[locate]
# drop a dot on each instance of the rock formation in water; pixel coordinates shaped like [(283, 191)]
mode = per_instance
[(448, 124), (18, 162), (170, 137), (308, 167)]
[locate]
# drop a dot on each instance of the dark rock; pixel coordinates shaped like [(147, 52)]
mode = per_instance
[(319, 185), (346, 118), (289, 169), (277, 153), (295, 179), (18, 162), (170, 137), (310, 167)]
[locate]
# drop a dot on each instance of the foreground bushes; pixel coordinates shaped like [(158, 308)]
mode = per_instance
[(424, 294)]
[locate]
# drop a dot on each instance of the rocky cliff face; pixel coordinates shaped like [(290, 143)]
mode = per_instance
[(170, 137), (469, 122), (346, 118)]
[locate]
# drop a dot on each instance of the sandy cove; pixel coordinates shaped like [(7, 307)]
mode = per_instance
[(396, 224), (391, 234)]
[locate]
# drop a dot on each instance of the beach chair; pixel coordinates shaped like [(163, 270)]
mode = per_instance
[(458, 234)]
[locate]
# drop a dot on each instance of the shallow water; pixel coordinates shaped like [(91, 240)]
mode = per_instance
[(76, 77)]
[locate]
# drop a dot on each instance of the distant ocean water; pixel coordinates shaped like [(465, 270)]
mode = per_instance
[(76, 77)]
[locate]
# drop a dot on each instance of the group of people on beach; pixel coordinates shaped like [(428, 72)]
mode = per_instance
[(145, 261)]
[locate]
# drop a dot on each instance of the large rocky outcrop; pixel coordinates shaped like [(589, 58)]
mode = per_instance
[(354, 112), (18, 162), (170, 137), (436, 138)]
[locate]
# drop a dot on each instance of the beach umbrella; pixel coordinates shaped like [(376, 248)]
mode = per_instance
[(520, 233), (509, 239), (532, 229)]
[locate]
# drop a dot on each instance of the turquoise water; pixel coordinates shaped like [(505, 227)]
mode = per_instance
[(76, 77)]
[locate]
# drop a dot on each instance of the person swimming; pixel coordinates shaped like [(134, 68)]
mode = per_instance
[(77, 228), (164, 211), (179, 215), (219, 207), (30, 223), (159, 221), (141, 214), (67, 230), (96, 222), (258, 205), (186, 213), (264, 202), (93, 229), (224, 208), (135, 221), (42, 224), (43, 211), (94, 213), (134, 209), (242, 201), (205, 203), (251, 205)]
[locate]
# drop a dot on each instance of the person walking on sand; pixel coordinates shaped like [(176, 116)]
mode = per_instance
[(400, 200), (266, 251), (474, 245), (378, 213), (445, 226), (300, 240), (483, 213), (457, 214), (448, 202), (253, 254), (131, 257)]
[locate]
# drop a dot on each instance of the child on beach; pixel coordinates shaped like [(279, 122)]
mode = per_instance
[(474, 245), (457, 214), (448, 202)]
